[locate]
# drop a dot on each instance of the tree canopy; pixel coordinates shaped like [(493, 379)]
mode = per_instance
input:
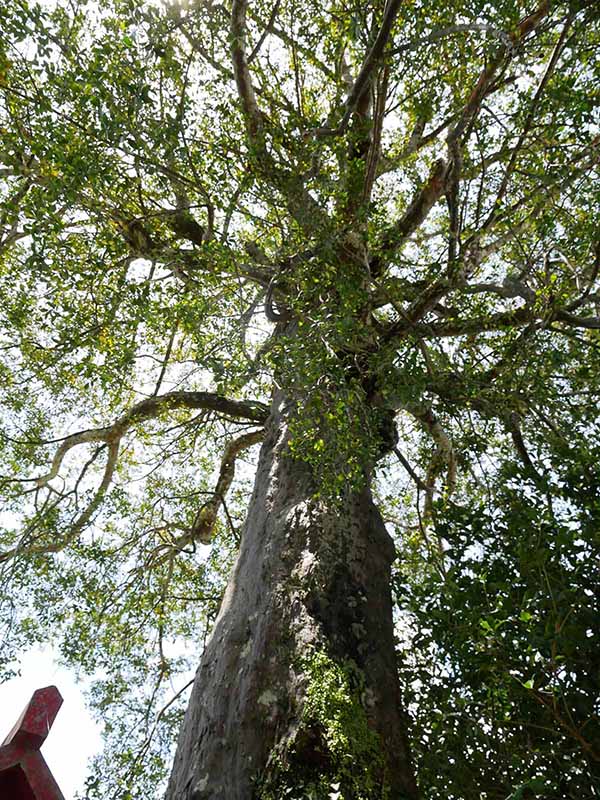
[(391, 211)]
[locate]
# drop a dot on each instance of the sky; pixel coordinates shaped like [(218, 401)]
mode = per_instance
[(74, 737)]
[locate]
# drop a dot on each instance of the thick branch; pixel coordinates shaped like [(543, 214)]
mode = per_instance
[(514, 427), (240, 68), (150, 408), (203, 527), (265, 33), (440, 33), (370, 63), (413, 217), (408, 467), (488, 74), (436, 184), (498, 322), (509, 289), (532, 111), (444, 456), (111, 435)]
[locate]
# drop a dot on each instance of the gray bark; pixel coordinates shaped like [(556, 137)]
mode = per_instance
[(309, 579)]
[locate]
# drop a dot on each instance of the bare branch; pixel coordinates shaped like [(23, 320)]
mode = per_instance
[(509, 289), (503, 320), (301, 204), (440, 33), (111, 435)]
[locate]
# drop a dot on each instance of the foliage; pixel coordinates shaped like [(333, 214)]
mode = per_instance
[(503, 647), (345, 753), (390, 211)]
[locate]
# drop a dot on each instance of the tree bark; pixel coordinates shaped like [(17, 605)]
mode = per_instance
[(297, 694)]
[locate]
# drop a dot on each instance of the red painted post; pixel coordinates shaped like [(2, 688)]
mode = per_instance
[(24, 775)]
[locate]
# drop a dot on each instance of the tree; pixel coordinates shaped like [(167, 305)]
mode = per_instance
[(366, 236)]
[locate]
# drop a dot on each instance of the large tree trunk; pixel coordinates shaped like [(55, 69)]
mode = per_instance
[(298, 685)]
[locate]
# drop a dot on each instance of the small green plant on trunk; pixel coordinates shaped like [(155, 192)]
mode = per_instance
[(335, 754)]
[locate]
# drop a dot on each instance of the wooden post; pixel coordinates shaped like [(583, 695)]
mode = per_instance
[(24, 775)]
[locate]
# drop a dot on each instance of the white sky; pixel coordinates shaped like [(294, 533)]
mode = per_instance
[(73, 738)]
